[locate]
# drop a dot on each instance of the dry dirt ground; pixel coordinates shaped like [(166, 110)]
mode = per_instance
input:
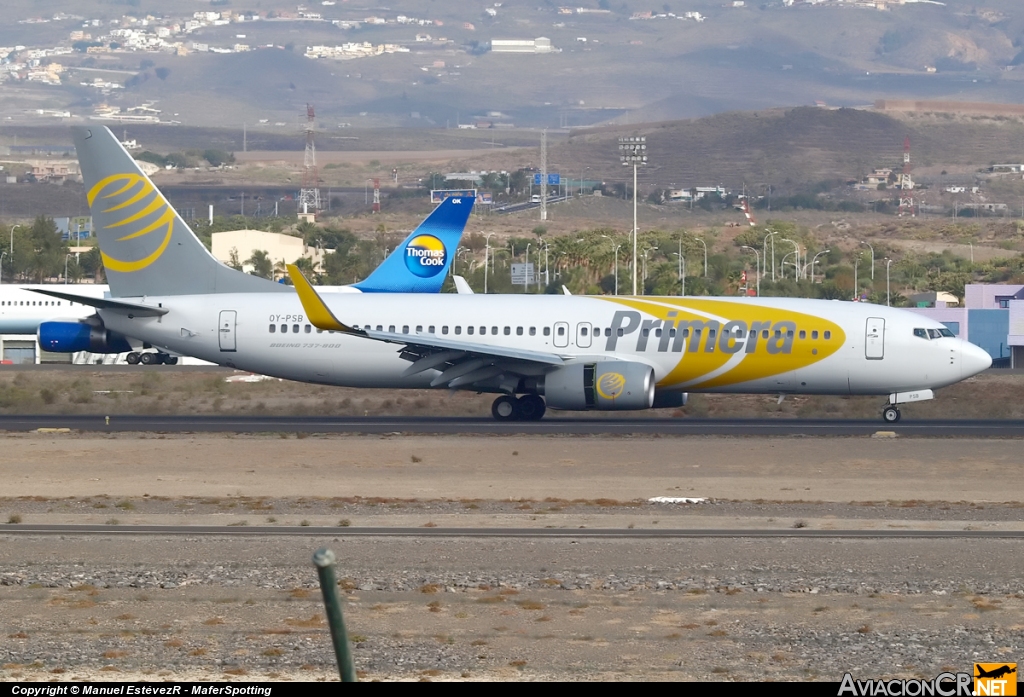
[(247, 608), (159, 390)]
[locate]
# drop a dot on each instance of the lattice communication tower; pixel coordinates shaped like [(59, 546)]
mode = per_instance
[(309, 194)]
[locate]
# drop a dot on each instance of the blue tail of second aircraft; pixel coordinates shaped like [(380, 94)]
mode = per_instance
[(419, 264)]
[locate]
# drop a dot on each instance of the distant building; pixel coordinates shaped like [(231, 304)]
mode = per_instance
[(541, 44), (282, 249)]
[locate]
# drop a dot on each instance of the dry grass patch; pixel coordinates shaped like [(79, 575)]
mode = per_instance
[(114, 654), (430, 588), (530, 604), (986, 604), (213, 621), (313, 621)]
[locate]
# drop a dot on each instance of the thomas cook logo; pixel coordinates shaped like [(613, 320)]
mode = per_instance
[(425, 256), (134, 199), (611, 385), (995, 679)]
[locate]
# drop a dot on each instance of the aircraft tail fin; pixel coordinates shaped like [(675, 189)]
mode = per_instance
[(419, 264), (147, 249)]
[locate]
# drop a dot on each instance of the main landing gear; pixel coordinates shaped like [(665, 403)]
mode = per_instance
[(529, 407), (134, 358)]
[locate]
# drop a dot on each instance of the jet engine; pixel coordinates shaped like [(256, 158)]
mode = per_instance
[(605, 385), (70, 337)]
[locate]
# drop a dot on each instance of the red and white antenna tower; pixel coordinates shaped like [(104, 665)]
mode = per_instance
[(309, 194), (907, 183), (746, 212)]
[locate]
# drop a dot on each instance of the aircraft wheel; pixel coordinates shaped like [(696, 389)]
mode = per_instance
[(149, 359), (890, 415), (132, 358), (170, 360), (505, 408), (531, 407)]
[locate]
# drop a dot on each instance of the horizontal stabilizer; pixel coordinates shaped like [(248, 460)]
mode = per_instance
[(105, 303)]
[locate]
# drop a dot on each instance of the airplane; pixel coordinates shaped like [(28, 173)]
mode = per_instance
[(65, 326), (535, 352), (995, 672)]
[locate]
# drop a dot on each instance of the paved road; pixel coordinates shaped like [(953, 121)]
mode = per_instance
[(550, 426), (547, 533)]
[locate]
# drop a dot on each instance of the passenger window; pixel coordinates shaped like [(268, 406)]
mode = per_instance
[(458, 330), (430, 329), (803, 334), (508, 330), (273, 328), (547, 331), (789, 334), (672, 332), (814, 334), (494, 330), (483, 330), (533, 331), (308, 329), (828, 335), (444, 329), (921, 333), (295, 329), (711, 335), (391, 328), (657, 332), (561, 331), (607, 331), (419, 328), (778, 333), (319, 331), (469, 329), (519, 331), (764, 334), (686, 332), (646, 331), (284, 328)]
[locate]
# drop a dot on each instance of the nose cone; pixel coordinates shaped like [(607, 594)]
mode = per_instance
[(973, 359)]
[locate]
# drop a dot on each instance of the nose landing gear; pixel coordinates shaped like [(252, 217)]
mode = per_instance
[(529, 407), (890, 414)]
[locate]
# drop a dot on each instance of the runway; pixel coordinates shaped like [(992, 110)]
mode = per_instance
[(496, 532), (990, 428)]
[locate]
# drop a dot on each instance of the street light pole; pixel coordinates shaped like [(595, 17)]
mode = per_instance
[(66, 257), (764, 250), (526, 283), (872, 259), (633, 151), (487, 253), (757, 255), (617, 248), (816, 259), (887, 262), (796, 269), (856, 289), (2, 255), (682, 273)]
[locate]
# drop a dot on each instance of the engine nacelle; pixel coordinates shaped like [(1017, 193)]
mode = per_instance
[(70, 337), (605, 385)]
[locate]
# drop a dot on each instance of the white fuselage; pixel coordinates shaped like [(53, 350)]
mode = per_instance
[(769, 345), (22, 311)]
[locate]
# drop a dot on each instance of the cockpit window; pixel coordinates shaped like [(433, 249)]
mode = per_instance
[(934, 334), (947, 333), (922, 333)]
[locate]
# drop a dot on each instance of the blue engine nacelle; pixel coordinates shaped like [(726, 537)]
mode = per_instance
[(69, 337)]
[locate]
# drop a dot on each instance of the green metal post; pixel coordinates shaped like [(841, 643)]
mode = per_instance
[(324, 560)]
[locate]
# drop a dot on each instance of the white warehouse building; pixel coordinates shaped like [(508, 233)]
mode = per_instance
[(541, 44)]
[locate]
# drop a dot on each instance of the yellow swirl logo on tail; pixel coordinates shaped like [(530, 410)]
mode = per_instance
[(134, 189)]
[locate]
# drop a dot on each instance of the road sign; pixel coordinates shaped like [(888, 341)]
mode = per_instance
[(553, 179), (522, 274)]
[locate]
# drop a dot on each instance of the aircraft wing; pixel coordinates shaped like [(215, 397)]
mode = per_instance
[(462, 363), (136, 309)]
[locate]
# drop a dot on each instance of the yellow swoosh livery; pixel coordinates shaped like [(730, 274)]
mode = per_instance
[(133, 198), (701, 369)]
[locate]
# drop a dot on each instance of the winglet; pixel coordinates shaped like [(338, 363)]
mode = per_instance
[(319, 314)]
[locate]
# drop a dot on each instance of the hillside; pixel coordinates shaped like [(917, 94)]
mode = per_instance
[(800, 145)]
